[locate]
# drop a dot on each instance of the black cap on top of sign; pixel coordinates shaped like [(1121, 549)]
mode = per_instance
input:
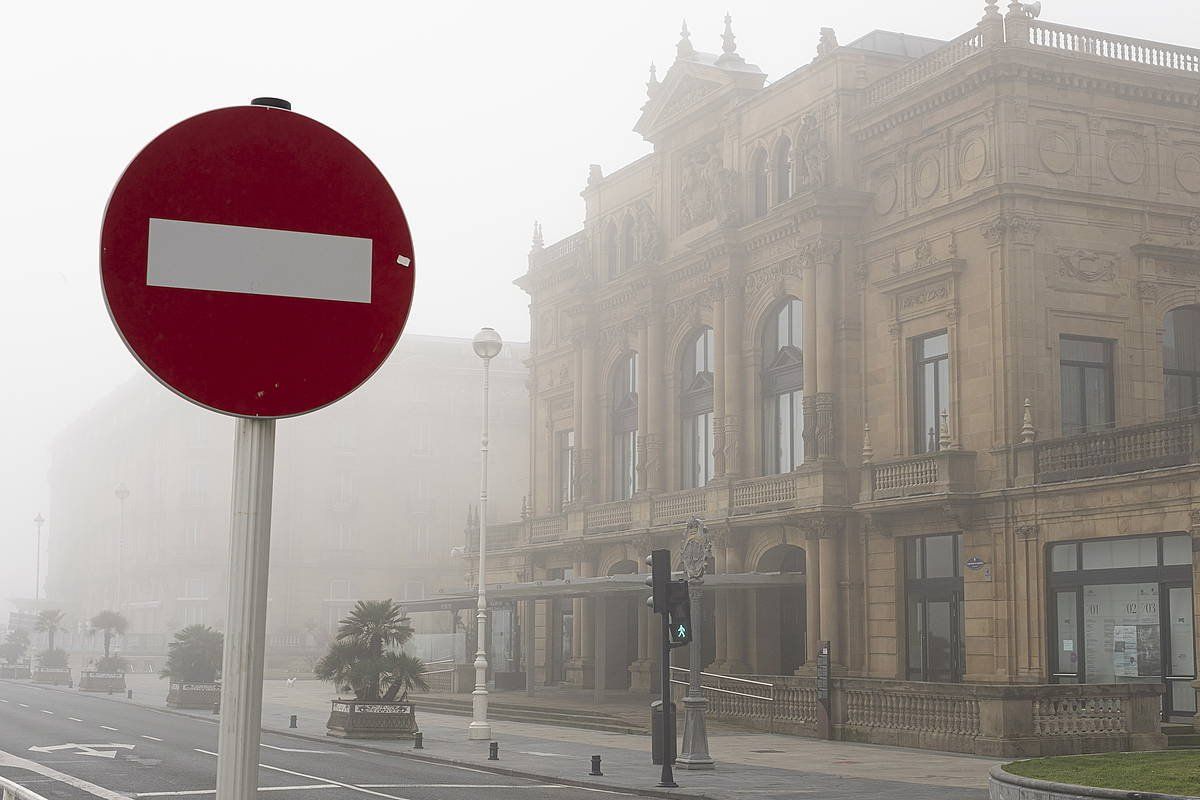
[(273, 102)]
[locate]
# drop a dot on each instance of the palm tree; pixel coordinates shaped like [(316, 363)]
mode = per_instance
[(110, 622), (360, 659), (50, 623), (195, 655)]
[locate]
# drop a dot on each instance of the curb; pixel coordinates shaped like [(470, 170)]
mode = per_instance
[(998, 776), (359, 745)]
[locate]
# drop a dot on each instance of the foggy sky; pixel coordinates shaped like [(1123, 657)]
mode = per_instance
[(484, 116)]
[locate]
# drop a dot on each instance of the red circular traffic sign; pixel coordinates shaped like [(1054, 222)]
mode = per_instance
[(256, 262)]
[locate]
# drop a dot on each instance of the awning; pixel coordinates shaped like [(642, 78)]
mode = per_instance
[(588, 587)]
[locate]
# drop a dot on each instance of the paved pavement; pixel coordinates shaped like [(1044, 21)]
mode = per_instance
[(749, 764)]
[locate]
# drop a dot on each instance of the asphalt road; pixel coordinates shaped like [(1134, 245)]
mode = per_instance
[(72, 746)]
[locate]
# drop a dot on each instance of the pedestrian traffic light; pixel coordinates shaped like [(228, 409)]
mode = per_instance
[(659, 562), (679, 607)]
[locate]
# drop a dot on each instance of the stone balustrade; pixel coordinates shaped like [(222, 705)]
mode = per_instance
[(548, 529), (1111, 47), (1113, 451), (610, 516), (678, 506), (986, 719), (560, 249), (926, 67), (944, 472)]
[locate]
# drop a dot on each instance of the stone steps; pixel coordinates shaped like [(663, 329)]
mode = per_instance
[(541, 714), (1181, 736)]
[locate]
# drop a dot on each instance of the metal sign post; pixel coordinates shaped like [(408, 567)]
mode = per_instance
[(824, 725), (667, 778), (697, 548)]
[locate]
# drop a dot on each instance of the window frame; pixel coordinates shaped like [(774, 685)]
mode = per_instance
[(927, 441), (783, 379), (1110, 346), (1192, 375), (696, 408)]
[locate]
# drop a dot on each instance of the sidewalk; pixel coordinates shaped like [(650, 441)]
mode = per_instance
[(749, 764)]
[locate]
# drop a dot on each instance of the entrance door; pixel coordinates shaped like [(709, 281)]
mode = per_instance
[(936, 647), (1181, 668)]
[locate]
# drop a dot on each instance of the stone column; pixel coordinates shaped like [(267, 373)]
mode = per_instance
[(820, 406), (587, 628), (641, 669), (812, 598), (736, 625), (643, 409), (589, 435), (720, 334), (734, 300), (809, 348), (830, 573), (655, 400)]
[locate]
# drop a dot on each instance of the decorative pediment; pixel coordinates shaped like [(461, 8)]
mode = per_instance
[(788, 356), (694, 83)]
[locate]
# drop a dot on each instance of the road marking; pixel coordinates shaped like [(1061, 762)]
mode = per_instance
[(337, 784), (9, 760), (151, 738), (296, 750), (75, 719), (44, 711), (543, 755), (190, 792), (2, 700), (461, 785), (261, 261), (100, 750), (107, 728), (23, 705)]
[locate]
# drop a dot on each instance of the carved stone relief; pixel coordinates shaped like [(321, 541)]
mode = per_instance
[(928, 175), (887, 190), (1127, 158), (972, 159), (1086, 265), (1187, 171), (1057, 151), (706, 189)]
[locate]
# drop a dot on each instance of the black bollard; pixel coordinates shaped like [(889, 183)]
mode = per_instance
[(129, 694), (595, 766), (292, 721), (418, 741), (494, 751)]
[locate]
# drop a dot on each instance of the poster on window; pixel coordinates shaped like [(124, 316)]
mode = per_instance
[(1121, 638)]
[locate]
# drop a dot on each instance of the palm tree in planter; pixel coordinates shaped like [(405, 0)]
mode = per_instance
[(109, 675), (52, 663), (12, 652), (365, 659), (193, 666)]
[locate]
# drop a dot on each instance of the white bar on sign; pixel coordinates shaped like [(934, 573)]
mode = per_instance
[(231, 258)]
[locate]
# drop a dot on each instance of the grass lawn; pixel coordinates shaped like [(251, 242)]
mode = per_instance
[(1169, 772)]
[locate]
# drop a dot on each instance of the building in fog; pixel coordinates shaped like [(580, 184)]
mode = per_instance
[(916, 330), (370, 497)]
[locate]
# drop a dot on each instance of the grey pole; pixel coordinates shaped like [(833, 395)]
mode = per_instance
[(246, 618), (121, 492), (37, 581), (487, 344), (696, 549)]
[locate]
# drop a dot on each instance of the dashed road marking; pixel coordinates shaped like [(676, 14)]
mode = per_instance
[(23, 705), (44, 711), (337, 784), (188, 792), (109, 728), (2, 700), (151, 738), (75, 719)]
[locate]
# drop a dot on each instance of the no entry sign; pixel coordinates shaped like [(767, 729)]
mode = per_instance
[(256, 262)]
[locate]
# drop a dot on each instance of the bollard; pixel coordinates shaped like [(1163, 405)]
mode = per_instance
[(217, 708), (129, 694), (292, 721), (418, 741), (595, 766), (494, 751)]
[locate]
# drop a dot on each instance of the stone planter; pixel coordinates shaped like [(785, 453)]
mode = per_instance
[(55, 676), (102, 682), (14, 671), (381, 719), (193, 695), (1006, 786)]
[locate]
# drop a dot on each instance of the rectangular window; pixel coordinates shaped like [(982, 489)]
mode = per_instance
[(566, 468), (698, 458), (931, 389), (624, 465), (1085, 369), (936, 644), (785, 444)]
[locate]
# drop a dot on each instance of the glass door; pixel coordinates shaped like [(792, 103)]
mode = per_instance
[(1181, 668), (936, 648)]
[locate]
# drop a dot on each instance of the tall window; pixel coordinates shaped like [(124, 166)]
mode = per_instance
[(696, 410), (1181, 361), (783, 388), (931, 389), (933, 597), (629, 254), (611, 252), (1085, 367), (783, 169), (624, 428), (565, 453), (761, 175)]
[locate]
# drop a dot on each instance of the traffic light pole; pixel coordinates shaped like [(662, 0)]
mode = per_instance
[(668, 727)]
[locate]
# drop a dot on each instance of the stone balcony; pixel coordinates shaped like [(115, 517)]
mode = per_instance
[(945, 472), (1113, 451)]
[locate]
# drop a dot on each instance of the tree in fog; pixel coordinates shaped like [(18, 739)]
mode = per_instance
[(365, 657)]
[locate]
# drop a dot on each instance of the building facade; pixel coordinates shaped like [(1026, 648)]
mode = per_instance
[(915, 330), (369, 499)]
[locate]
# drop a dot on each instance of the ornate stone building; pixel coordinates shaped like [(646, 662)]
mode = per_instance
[(915, 329)]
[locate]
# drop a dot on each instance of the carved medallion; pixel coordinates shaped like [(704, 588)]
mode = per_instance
[(1187, 172), (972, 159), (1057, 152), (886, 192), (928, 176), (1127, 161), (1087, 265)]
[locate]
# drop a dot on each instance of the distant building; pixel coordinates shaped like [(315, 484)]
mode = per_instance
[(370, 496)]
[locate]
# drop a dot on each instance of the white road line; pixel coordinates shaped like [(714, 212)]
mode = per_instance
[(23, 705), (9, 760), (190, 792), (461, 785), (2, 700), (337, 784), (108, 728), (75, 719), (44, 711), (296, 750), (151, 738)]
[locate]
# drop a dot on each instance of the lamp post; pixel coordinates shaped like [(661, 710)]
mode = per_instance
[(487, 344), (37, 581), (697, 547), (121, 492)]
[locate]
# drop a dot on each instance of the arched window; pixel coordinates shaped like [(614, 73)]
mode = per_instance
[(624, 428), (696, 410), (629, 254), (762, 179), (783, 169), (611, 253), (1181, 360), (783, 388)]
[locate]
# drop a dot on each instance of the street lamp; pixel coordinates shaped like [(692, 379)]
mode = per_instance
[(37, 581), (487, 344), (121, 492)]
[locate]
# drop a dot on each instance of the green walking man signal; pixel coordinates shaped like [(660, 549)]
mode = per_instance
[(669, 597)]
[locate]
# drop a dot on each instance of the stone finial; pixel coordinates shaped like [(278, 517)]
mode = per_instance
[(827, 43), (538, 241), (728, 44), (595, 174), (652, 84), (1028, 434), (991, 11), (944, 431), (868, 452), (684, 49)]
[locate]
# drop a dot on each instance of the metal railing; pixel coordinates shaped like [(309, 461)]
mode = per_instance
[(441, 679), (14, 791), (733, 698)]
